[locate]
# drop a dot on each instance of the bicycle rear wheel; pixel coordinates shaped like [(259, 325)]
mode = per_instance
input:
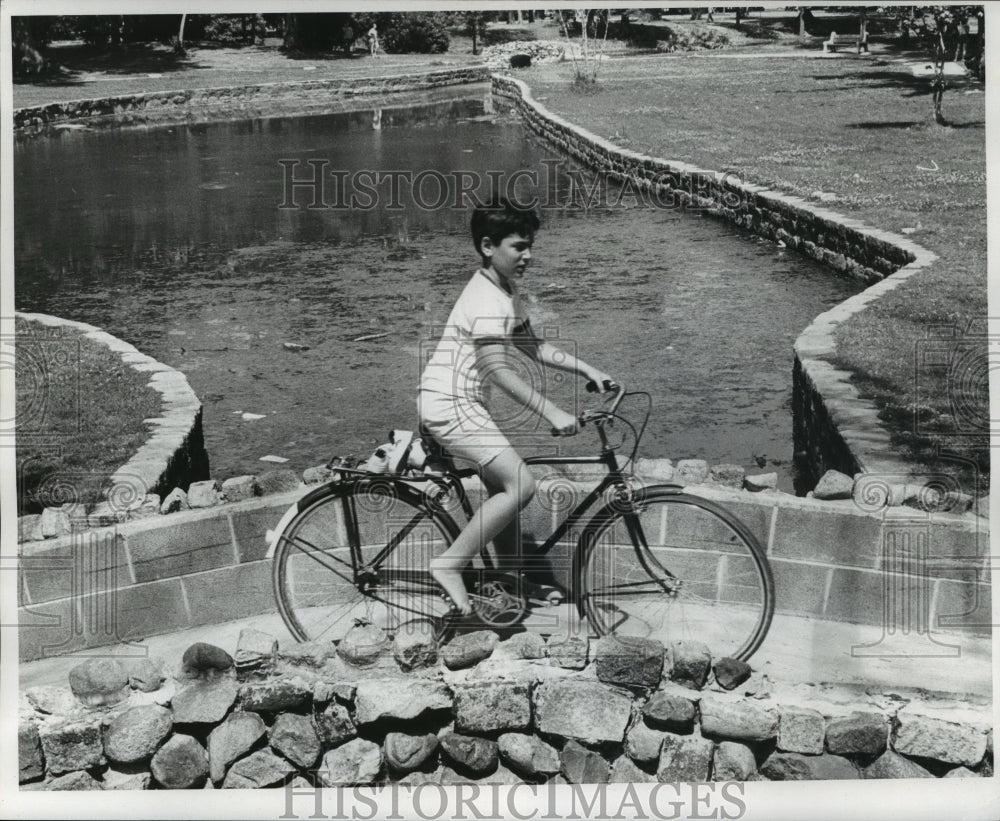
[(667, 565), (359, 552)]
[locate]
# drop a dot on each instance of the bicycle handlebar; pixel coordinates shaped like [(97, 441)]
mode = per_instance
[(594, 415)]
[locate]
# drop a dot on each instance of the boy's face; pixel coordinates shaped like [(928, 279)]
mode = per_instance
[(510, 258)]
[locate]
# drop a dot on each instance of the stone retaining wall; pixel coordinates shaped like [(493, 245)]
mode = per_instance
[(264, 99), (475, 710), (832, 560), (173, 454), (834, 427)]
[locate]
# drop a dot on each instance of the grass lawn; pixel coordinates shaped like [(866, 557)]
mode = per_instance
[(79, 415), (859, 128)]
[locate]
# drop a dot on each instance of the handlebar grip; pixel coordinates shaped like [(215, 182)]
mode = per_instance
[(608, 386)]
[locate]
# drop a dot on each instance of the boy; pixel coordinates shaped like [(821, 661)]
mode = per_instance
[(473, 354)]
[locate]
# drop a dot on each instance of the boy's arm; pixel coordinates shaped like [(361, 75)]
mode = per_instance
[(553, 357), (494, 363)]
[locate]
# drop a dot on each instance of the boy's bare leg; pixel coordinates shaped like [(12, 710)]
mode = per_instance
[(514, 487)]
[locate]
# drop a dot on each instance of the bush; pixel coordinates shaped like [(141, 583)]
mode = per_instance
[(416, 34), (233, 28), (695, 38)]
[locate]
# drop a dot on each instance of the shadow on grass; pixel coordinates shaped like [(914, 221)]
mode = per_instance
[(67, 63), (900, 124)]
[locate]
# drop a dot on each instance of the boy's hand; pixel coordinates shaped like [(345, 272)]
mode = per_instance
[(602, 380), (563, 424)]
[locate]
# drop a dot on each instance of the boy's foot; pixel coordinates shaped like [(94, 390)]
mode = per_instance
[(531, 590), (449, 578)]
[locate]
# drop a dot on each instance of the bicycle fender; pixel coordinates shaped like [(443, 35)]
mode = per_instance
[(274, 536)]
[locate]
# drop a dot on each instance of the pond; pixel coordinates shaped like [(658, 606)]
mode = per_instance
[(302, 329)]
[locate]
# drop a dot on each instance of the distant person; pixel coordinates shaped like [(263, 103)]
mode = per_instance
[(962, 32), (347, 38), (373, 40)]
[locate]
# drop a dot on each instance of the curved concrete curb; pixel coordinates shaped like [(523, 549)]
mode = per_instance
[(174, 454), (243, 101), (835, 427)]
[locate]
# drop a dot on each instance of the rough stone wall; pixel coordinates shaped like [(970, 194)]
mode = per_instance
[(834, 427), (475, 710), (239, 101)]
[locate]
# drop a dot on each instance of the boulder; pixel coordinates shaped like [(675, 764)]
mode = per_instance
[(468, 649), (781, 766), (317, 474), (277, 481), (405, 752), (690, 662), (624, 771), (295, 738), (204, 702), (239, 488), (892, 765), (730, 673), (256, 653), (29, 528), (739, 720), (98, 681), (71, 745), (528, 754), (580, 765), (469, 753), (54, 522), (834, 485), (960, 772), (643, 744), (30, 762), (52, 700), (669, 712), (691, 471), (334, 725), (204, 494), (655, 470), (232, 739), (127, 779), (801, 730), (585, 710), (761, 481), (492, 707), (398, 698), (684, 758), (276, 695), (176, 500), (522, 646), (202, 660), (74, 781), (415, 646), (733, 762), (927, 737), (363, 645), (728, 475), (309, 654), (146, 509), (180, 764), (259, 769), (628, 661), (135, 734), (357, 762), (568, 651), (145, 674), (861, 733)]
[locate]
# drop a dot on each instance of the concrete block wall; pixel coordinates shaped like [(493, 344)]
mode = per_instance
[(831, 560), (834, 426)]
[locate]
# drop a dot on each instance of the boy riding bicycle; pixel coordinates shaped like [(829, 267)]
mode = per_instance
[(474, 353)]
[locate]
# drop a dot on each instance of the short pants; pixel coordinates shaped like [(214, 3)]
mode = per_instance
[(462, 426)]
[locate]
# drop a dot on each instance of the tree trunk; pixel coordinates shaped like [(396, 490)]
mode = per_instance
[(290, 38), (180, 33), (802, 22)]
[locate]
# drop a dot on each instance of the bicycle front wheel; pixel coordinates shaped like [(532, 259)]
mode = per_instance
[(359, 552), (671, 566)]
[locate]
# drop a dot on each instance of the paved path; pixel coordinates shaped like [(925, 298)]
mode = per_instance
[(796, 651)]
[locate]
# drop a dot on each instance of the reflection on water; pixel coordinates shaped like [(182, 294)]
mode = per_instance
[(174, 239)]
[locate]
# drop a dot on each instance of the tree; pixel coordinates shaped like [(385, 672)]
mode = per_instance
[(937, 28), (592, 44), (475, 25)]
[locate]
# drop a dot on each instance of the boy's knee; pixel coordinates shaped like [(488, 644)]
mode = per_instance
[(525, 488)]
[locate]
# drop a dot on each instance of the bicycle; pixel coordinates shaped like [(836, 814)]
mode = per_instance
[(651, 562)]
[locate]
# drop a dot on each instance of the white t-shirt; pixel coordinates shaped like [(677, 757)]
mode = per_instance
[(483, 311)]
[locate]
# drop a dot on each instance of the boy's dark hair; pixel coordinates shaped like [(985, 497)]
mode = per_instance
[(501, 218)]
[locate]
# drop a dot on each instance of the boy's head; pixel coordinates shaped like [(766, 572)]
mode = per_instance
[(499, 219)]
